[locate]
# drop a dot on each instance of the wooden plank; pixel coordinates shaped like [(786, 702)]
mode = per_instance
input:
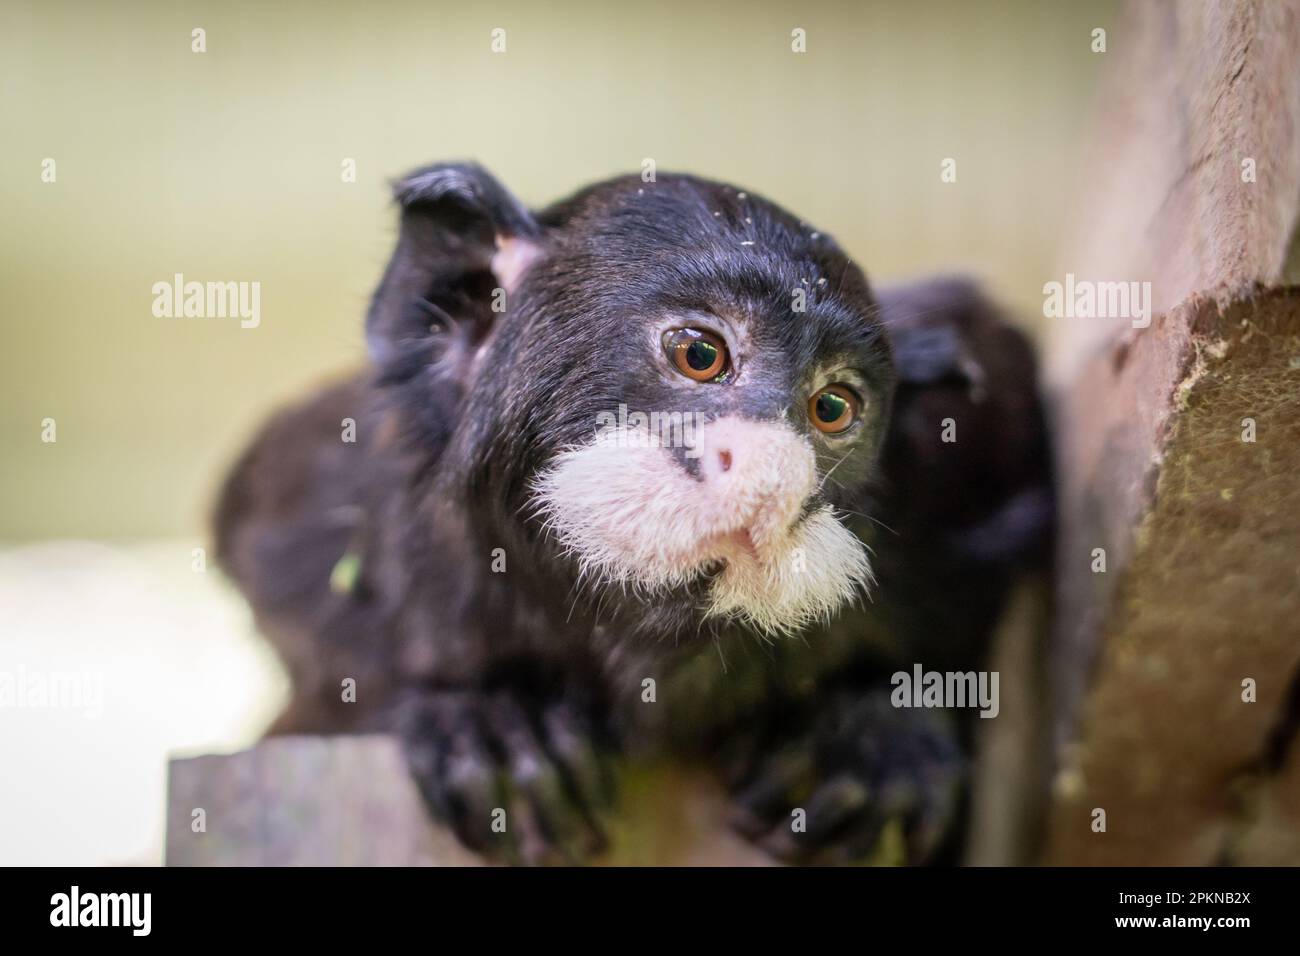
[(349, 801), (304, 801)]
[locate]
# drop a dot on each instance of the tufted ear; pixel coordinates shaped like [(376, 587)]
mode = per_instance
[(462, 237)]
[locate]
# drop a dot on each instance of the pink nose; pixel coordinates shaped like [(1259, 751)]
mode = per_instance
[(756, 476), (728, 448)]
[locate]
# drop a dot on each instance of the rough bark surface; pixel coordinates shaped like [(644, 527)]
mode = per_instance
[(1196, 190), (1187, 767)]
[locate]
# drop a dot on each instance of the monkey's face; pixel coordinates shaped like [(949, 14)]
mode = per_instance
[(684, 402), (672, 395)]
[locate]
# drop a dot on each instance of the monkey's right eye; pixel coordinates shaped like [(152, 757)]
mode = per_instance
[(699, 355)]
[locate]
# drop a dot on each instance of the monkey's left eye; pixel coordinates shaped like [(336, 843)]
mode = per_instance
[(697, 354), (834, 409)]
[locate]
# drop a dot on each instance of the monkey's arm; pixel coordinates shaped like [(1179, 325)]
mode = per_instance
[(356, 573), (289, 524), (299, 530)]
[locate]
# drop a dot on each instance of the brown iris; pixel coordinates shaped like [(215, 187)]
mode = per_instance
[(833, 409), (697, 354)]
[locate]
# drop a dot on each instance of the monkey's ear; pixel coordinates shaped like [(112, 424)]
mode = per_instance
[(462, 237)]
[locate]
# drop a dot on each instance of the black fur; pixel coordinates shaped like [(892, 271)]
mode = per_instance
[(513, 689)]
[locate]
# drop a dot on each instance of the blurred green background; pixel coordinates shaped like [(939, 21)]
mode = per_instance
[(226, 165)]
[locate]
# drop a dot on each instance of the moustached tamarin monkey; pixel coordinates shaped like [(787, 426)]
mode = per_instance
[(654, 469)]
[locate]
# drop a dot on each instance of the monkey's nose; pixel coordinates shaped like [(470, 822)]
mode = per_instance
[(738, 452), (758, 475), (729, 447), (717, 462)]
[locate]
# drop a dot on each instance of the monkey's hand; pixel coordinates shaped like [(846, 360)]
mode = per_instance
[(862, 771), (519, 781)]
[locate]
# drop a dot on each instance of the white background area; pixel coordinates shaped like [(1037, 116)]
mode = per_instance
[(182, 672)]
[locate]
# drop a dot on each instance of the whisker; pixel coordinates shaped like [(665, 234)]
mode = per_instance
[(861, 514), (832, 470)]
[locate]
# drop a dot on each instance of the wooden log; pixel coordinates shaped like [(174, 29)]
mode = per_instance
[(1172, 746), (1197, 191)]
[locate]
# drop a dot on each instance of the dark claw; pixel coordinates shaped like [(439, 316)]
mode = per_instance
[(570, 742), (836, 804), (473, 753), (859, 766), (772, 792)]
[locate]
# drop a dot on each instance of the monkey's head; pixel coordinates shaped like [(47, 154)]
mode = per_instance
[(669, 395)]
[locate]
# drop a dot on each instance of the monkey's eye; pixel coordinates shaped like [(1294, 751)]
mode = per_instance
[(833, 409), (697, 354)]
